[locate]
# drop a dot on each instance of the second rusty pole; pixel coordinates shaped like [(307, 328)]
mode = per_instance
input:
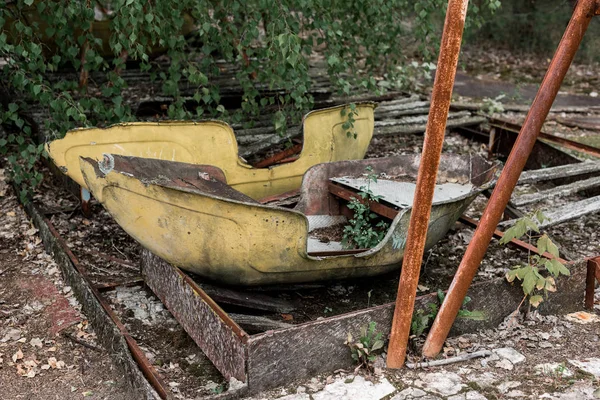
[(430, 160), (582, 15)]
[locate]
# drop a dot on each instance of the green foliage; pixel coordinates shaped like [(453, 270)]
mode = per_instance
[(421, 319), (363, 231), (369, 344), (266, 45), (535, 284), (350, 112)]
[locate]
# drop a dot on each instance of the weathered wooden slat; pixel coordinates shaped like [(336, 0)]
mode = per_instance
[(245, 299), (561, 171), (221, 339), (400, 129), (572, 211), (562, 190), (278, 357), (565, 213), (256, 323), (518, 107)]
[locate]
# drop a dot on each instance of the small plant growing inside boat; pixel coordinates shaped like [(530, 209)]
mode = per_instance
[(363, 232), (365, 349), (535, 285)]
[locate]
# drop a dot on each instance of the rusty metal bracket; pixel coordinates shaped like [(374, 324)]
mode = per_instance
[(593, 275), (538, 112)]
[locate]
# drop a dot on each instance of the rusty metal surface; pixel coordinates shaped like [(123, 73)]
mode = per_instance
[(476, 250), (279, 157), (219, 337), (593, 265), (138, 355), (432, 149), (569, 144)]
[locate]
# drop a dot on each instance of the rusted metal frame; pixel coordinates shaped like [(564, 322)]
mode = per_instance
[(279, 157), (278, 197), (108, 286), (287, 160), (376, 207), (138, 355), (426, 179), (582, 15), (593, 275), (567, 143), (515, 242)]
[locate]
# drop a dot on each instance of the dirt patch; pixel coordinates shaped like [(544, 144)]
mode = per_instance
[(334, 233), (39, 319)]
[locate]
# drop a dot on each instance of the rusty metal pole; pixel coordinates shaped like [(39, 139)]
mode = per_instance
[(582, 15), (430, 160)]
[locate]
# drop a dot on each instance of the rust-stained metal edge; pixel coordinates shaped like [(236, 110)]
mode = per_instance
[(569, 144), (138, 355), (107, 332), (279, 157), (279, 197), (215, 333), (426, 179), (214, 306), (582, 15), (593, 275)]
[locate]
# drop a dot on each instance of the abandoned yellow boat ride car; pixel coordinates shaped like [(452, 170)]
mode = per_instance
[(188, 215), (214, 143)]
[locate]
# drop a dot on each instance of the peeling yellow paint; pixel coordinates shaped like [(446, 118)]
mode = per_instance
[(214, 143)]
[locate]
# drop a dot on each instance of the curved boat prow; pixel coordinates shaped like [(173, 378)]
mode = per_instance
[(186, 215)]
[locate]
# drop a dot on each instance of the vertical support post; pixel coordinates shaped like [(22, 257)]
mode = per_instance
[(430, 160), (582, 15), (590, 284)]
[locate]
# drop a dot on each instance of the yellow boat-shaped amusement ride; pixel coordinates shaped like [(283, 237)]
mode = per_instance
[(214, 143), (194, 218)]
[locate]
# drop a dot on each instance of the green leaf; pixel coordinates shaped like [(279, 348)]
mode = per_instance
[(28, 2), (531, 224), (563, 270), (529, 280), (377, 345), (514, 232), (542, 243)]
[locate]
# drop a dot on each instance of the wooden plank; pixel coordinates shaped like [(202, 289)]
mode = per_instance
[(563, 190), (571, 211), (279, 357), (221, 339), (245, 299), (391, 128), (565, 213), (562, 171), (257, 323)]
